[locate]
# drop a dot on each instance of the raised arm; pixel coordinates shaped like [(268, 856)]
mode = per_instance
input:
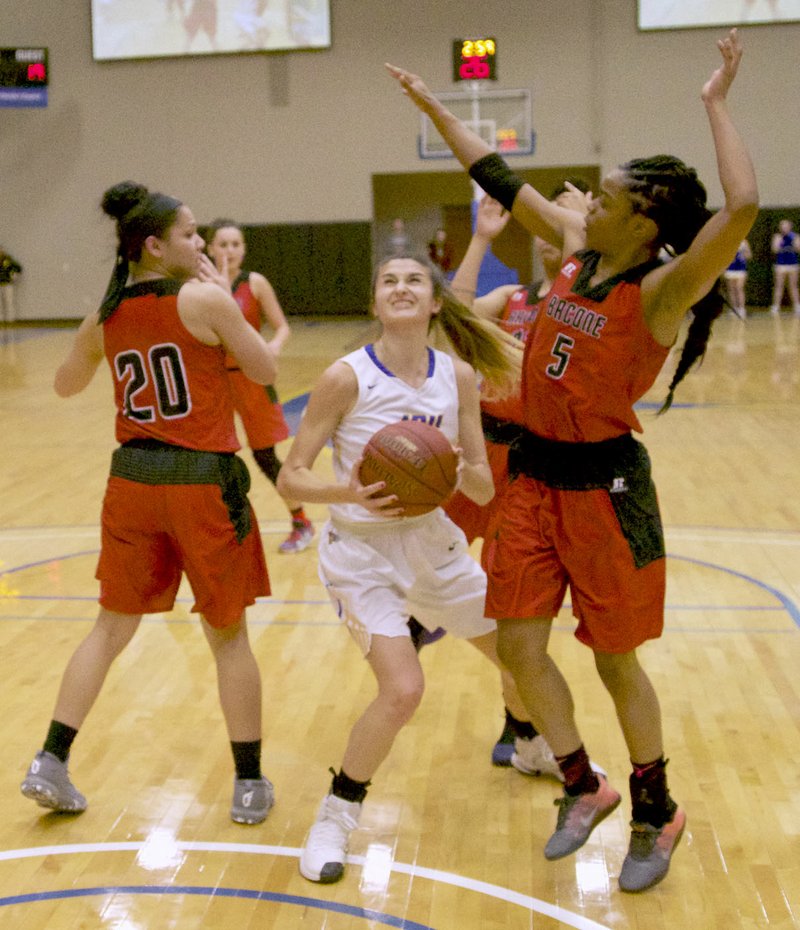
[(526, 204), (211, 315), (491, 219), (668, 292)]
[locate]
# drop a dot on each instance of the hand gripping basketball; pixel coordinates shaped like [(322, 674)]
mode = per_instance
[(417, 463)]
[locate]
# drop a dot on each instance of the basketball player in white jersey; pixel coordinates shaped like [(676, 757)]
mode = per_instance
[(377, 566)]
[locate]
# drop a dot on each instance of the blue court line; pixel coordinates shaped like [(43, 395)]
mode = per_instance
[(564, 917), (788, 604), (785, 602), (293, 411), (215, 892)]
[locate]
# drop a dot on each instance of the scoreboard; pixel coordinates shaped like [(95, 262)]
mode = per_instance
[(24, 77), (474, 60)]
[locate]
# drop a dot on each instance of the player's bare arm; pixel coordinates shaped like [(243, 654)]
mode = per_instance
[(669, 291), (86, 353), (475, 477)]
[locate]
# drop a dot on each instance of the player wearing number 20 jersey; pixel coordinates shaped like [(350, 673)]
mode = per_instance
[(168, 386), (177, 495)]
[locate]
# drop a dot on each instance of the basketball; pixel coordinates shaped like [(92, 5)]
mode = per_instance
[(417, 463)]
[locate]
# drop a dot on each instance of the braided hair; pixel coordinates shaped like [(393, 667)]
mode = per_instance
[(139, 214), (493, 353), (667, 191)]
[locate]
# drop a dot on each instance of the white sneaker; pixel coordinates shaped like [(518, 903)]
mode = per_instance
[(325, 850), (534, 757)]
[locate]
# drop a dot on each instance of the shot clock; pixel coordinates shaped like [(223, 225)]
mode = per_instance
[(474, 60)]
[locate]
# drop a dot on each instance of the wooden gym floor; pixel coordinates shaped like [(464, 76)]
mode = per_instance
[(447, 841)]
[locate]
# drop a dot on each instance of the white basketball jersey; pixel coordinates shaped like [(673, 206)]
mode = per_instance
[(384, 398)]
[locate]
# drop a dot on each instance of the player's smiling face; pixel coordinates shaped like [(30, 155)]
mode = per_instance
[(404, 288)]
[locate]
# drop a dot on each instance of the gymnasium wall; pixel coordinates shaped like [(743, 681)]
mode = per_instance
[(297, 138)]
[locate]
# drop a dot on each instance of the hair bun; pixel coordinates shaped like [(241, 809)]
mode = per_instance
[(120, 199)]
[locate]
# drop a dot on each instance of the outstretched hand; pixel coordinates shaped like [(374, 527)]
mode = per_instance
[(716, 87), (491, 218), (413, 87)]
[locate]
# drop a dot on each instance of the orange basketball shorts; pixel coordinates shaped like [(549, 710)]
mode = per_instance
[(151, 534), (543, 541)]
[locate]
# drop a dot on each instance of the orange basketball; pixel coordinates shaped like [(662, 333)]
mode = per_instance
[(417, 463)]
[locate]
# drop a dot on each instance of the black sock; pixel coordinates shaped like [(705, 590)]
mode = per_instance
[(417, 631), (59, 740), (650, 796), (524, 729), (348, 788), (247, 759)]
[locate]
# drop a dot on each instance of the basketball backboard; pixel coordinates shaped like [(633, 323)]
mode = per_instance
[(502, 118)]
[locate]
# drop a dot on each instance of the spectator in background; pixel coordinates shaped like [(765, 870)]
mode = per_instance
[(735, 276), (786, 262), (9, 269), (398, 240), (440, 251)]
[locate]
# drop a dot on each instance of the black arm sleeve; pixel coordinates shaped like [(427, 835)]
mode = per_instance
[(494, 176)]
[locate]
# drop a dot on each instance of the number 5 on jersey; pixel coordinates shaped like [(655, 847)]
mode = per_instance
[(560, 352)]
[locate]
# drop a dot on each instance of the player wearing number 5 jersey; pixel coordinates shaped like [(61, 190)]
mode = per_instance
[(176, 500), (582, 512)]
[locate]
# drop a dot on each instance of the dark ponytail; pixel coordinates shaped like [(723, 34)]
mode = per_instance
[(138, 214), (704, 312), (667, 191)]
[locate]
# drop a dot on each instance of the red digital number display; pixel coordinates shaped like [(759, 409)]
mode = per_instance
[(474, 60)]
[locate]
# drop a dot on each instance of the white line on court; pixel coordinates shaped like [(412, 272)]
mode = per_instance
[(447, 878)]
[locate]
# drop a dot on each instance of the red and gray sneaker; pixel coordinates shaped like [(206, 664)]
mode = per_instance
[(650, 852), (578, 815), (300, 537)]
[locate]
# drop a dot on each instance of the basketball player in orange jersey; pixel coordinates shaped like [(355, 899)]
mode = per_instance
[(583, 511), (514, 308), (176, 499), (377, 566), (257, 405)]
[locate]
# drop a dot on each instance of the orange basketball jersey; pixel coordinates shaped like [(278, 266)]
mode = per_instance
[(168, 386), (590, 356), (249, 305)]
